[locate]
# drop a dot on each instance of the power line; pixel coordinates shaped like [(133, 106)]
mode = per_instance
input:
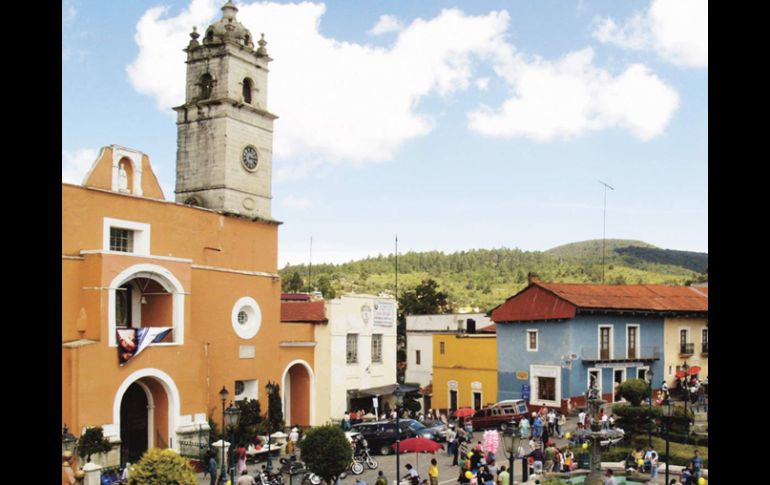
[(604, 223)]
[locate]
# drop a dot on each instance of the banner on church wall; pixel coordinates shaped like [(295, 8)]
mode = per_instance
[(132, 341)]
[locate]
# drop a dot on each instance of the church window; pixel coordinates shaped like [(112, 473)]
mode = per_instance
[(121, 240), (206, 84), (247, 85)]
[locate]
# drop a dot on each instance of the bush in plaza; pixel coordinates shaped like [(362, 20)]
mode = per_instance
[(93, 442), (634, 391), (162, 467), (326, 451), (680, 454), (635, 419)]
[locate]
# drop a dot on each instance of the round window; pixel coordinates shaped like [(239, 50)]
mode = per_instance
[(246, 317)]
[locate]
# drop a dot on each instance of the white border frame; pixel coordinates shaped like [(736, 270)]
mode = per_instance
[(167, 280), (452, 386), (251, 307), (141, 235), (599, 378), (172, 393), (287, 405), (623, 379), (599, 341), (536, 371), (638, 340), (537, 339)]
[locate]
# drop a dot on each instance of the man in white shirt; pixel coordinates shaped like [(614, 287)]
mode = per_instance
[(582, 417)]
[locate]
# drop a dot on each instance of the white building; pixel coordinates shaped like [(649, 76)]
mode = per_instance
[(419, 341), (355, 350)]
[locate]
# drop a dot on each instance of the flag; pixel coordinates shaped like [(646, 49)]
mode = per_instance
[(131, 341)]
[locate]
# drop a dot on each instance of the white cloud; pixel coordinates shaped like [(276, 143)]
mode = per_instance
[(337, 101), (294, 202), (323, 252), (342, 102), (677, 30), (75, 164), (571, 97), (68, 12), (387, 23)]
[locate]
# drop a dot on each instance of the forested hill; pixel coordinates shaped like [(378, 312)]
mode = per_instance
[(484, 278)]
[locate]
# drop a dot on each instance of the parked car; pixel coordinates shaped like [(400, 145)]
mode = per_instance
[(500, 415), (382, 434), (438, 428)]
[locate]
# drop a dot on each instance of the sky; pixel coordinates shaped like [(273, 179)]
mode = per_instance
[(453, 125)]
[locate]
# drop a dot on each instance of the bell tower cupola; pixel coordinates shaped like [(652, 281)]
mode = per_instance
[(225, 132)]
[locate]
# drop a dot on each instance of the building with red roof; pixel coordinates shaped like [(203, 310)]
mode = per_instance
[(555, 340)]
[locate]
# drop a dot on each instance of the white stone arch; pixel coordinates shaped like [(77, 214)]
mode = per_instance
[(172, 393), (311, 402), (162, 276)]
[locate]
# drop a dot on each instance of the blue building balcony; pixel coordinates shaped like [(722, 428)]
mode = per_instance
[(592, 355)]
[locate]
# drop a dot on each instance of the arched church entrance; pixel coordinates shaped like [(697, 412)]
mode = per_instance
[(144, 418), (134, 423), (297, 391)]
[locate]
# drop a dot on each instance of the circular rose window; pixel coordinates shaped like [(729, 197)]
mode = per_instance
[(246, 317)]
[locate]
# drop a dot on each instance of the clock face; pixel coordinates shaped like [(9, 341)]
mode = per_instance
[(249, 158)]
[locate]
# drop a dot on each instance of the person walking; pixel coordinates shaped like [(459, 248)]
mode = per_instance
[(696, 462), (524, 428), (213, 469), (550, 453), (651, 462), (241, 466), (538, 427), (381, 480), (433, 472), (551, 416), (560, 422)]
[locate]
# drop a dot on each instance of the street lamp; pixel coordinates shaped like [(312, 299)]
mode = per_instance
[(223, 394), (67, 440), (399, 393), (649, 425), (686, 368), (511, 441), (233, 414)]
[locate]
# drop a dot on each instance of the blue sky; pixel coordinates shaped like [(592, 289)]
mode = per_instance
[(454, 124)]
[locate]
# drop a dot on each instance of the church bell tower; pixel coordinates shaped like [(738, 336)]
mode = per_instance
[(225, 133)]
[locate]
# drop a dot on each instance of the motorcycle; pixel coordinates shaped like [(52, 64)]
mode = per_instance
[(294, 467), (269, 478), (361, 454)]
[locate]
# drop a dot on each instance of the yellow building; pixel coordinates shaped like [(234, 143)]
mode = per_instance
[(686, 340), (464, 370)]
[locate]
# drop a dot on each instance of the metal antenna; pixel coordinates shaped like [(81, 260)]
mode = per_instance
[(310, 267), (604, 224)]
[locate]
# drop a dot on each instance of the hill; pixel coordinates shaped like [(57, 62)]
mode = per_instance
[(483, 278)]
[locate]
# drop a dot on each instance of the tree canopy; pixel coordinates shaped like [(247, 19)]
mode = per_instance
[(326, 451), (425, 299)]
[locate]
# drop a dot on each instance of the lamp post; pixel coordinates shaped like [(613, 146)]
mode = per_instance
[(223, 394), (399, 393), (511, 441), (269, 464), (649, 425), (233, 415), (686, 368), (67, 440)]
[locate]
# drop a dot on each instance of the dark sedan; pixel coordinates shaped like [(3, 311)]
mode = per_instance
[(381, 434)]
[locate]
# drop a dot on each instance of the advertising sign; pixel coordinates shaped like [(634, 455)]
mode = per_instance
[(384, 313)]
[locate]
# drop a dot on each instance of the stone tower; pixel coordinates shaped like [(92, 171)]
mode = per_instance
[(225, 133)]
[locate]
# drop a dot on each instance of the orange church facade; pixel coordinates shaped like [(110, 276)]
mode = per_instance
[(132, 260)]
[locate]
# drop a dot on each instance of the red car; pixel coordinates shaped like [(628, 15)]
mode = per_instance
[(500, 415)]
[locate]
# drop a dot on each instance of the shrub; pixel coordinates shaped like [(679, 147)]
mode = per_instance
[(162, 467), (634, 391), (92, 442), (326, 451), (636, 419)]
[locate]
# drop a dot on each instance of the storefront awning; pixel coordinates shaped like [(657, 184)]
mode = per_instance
[(382, 390)]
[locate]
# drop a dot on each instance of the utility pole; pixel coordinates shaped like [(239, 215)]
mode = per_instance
[(310, 267), (604, 224)]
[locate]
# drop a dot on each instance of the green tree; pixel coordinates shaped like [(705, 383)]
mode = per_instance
[(634, 390), (162, 467), (274, 411), (93, 442), (294, 284), (251, 418), (326, 451), (324, 285), (425, 299)]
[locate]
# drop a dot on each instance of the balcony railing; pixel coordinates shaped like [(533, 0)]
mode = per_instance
[(686, 349), (704, 348), (592, 354)]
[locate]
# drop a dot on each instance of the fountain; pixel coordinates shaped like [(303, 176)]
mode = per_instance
[(597, 436)]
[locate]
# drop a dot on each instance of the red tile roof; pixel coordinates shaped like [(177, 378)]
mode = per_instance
[(488, 329), (632, 297), (550, 301), (303, 311)]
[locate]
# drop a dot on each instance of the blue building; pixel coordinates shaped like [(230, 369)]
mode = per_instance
[(554, 341)]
